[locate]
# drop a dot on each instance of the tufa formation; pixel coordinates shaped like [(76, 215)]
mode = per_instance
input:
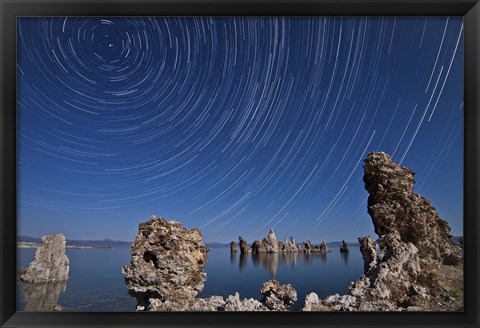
[(167, 272), (277, 297), (270, 244), (167, 263), (233, 247), (368, 248), (51, 264), (419, 268), (243, 245), (344, 247)]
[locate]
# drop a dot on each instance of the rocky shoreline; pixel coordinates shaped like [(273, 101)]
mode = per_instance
[(167, 272), (37, 245), (418, 266)]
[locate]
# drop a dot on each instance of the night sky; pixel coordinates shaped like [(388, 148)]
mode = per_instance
[(234, 124)]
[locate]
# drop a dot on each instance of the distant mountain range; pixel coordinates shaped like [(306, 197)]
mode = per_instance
[(108, 243), (105, 243)]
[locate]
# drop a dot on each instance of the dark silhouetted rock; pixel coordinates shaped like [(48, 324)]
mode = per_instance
[(277, 297), (167, 263), (306, 247), (50, 264), (56, 308), (233, 247), (243, 246), (257, 247), (344, 247)]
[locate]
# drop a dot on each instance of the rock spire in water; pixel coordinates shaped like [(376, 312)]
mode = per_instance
[(233, 247), (344, 247), (51, 264), (269, 244), (243, 245), (418, 268)]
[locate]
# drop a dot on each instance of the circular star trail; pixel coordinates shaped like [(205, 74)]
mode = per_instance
[(234, 124)]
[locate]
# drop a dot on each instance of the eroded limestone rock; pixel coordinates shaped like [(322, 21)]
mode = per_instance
[(306, 247), (368, 248), (269, 244), (395, 208), (243, 245), (234, 303), (419, 266), (167, 263), (213, 303), (323, 247), (278, 297), (51, 264)]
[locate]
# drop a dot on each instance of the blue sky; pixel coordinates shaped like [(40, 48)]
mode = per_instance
[(234, 124)]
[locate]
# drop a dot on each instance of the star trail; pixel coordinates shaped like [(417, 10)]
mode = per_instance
[(232, 124)]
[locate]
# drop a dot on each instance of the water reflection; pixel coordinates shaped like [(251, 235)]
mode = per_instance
[(344, 257), (43, 297), (233, 257), (271, 261), (324, 258), (243, 261)]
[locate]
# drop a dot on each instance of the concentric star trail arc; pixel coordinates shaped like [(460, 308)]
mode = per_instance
[(232, 124)]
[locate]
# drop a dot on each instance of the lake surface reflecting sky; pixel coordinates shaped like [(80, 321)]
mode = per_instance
[(96, 282)]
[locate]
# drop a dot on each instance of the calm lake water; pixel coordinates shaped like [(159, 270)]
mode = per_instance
[(96, 282)]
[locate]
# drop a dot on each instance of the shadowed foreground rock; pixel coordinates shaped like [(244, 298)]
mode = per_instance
[(167, 272), (418, 268), (212, 303), (277, 297), (399, 213), (167, 263), (51, 264), (368, 248)]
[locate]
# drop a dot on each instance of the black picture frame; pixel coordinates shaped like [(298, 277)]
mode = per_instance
[(11, 9)]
